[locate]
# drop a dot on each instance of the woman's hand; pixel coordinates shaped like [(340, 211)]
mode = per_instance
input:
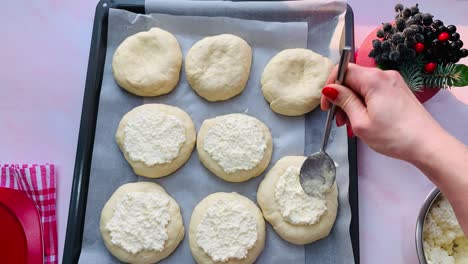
[(381, 110)]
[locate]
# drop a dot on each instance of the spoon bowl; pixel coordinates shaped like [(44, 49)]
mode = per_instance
[(318, 173)]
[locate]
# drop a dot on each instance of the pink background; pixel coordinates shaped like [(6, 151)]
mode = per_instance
[(43, 60)]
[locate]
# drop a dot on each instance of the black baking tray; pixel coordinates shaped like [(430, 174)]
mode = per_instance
[(79, 192)]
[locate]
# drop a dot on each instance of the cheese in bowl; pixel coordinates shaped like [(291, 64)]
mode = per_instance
[(443, 239)]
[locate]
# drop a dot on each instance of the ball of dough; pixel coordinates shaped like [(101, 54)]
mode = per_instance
[(298, 234), (148, 63), (198, 215), (235, 147), (175, 226), (156, 139), (292, 81), (218, 67)]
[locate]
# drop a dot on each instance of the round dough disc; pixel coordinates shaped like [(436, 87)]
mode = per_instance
[(293, 79), (197, 216), (218, 67), (164, 169), (175, 227), (148, 63), (296, 234), (214, 167)]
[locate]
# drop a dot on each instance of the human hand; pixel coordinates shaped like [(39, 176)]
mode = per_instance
[(381, 110)]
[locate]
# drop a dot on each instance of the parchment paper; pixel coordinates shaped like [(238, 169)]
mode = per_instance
[(193, 182)]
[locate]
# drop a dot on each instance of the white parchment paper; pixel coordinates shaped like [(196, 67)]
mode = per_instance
[(191, 183)]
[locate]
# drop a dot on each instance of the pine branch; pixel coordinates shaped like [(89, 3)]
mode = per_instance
[(413, 76), (445, 76)]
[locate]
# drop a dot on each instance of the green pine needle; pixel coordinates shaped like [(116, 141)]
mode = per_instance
[(413, 76), (445, 76)]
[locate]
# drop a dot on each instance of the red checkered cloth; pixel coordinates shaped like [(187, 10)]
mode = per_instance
[(37, 182)]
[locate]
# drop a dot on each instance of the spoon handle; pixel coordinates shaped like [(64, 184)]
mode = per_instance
[(342, 67)]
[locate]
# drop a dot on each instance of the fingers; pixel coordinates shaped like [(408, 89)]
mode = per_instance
[(357, 78), (349, 102), (340, 117)]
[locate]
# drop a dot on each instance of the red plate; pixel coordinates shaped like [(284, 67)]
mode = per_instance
[(362, 59), (20, 229)]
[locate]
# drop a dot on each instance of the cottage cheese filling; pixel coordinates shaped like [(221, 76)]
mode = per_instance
[(139, 222), (153, 137), (444, 241), (227, 230), (236, 143), (295, 205)]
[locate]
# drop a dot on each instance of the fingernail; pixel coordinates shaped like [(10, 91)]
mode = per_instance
[(350, 131), (330, 93)]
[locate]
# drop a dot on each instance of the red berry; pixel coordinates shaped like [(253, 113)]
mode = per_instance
[(430, 67), (443, 36), (419, 47)]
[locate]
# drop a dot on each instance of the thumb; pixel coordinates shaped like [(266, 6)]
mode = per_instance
[(348, 101)]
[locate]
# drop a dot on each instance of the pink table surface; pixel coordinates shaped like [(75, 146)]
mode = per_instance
[(43, 60)]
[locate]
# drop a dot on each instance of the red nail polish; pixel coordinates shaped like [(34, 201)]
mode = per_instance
[(330, 93), (350, 131)]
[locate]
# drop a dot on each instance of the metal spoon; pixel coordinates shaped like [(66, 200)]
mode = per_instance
[(318, 171)]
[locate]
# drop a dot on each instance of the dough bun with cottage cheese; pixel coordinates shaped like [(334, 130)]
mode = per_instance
[(296, 234), (148, 63), (198, 213), (293, 79), (218, 67), (159, 170), (239, 175), (175, 227)]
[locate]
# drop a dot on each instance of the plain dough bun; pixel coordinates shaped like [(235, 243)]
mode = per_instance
[(198, 213), (293, 79), (159, 170), (148, 63), (214, 167), (175, 227), (296, 234), (218, 67)]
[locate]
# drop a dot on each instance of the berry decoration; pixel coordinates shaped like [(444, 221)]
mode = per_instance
[(443, 37), (419, 47), (422, 49), (430, 67)]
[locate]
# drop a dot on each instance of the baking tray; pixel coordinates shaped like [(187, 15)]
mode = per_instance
[(79, 192)]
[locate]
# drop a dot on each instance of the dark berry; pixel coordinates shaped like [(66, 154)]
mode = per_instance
[(463, 53), (410, 22), (380, 33), (415, 28), (401, 48), (410, 42), (455, 37), (427, 19), (442, 29), (408, 32), (385, 56), (406, 13), (437, 23), (430, 67), (386, 45), (451, 29), (397, 38), (419, 37), (386, 27), (414, 9), (454, 60), (419, 47), (418, 18), (399, 8), (454, 46), (372, 53), (376, 44), (430, 35), (459, 43), (394, 56), (443, 37)]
